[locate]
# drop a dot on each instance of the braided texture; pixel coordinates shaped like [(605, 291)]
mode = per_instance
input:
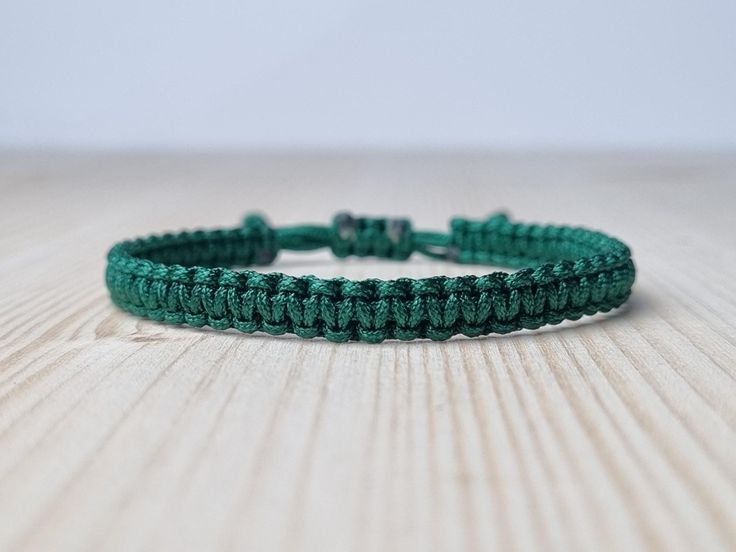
[(182, 278)]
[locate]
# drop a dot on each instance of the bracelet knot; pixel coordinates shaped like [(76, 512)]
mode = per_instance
[(262, 245), (389, 238), (476, 241)]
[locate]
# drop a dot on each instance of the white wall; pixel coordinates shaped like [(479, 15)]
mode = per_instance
[(331, 73)]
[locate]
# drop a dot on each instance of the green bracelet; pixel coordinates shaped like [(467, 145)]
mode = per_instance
[(565, 273)]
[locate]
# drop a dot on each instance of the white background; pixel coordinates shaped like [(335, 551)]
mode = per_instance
[(382, 74)]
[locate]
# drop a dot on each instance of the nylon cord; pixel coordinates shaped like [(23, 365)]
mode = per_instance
[(184, 278)]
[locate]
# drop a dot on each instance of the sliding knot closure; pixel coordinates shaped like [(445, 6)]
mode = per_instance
[(563, 273), (389, 238)]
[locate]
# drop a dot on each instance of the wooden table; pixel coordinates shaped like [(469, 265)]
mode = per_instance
[(613, 433)]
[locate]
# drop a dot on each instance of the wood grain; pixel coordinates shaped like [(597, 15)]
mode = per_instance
[(613, 433)]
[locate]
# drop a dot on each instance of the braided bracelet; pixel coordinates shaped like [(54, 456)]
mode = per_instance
[(565, 273)]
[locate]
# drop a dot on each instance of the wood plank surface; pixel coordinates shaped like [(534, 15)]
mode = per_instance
[(617, 432)]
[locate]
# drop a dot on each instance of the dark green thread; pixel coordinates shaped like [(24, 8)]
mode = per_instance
[(565, 273)]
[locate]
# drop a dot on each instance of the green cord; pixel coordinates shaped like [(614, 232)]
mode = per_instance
[(565, 273)]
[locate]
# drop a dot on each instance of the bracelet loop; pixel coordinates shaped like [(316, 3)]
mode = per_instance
[(565, 273)]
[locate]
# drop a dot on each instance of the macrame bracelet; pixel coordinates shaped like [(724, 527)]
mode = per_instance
[(565, 273)]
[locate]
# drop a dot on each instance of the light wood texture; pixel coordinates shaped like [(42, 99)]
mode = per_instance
[(614, 433)]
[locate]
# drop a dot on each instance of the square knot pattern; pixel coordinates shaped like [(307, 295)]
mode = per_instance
[(562, 273)]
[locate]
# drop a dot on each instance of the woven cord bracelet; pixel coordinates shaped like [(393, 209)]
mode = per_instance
[(564, 273)]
